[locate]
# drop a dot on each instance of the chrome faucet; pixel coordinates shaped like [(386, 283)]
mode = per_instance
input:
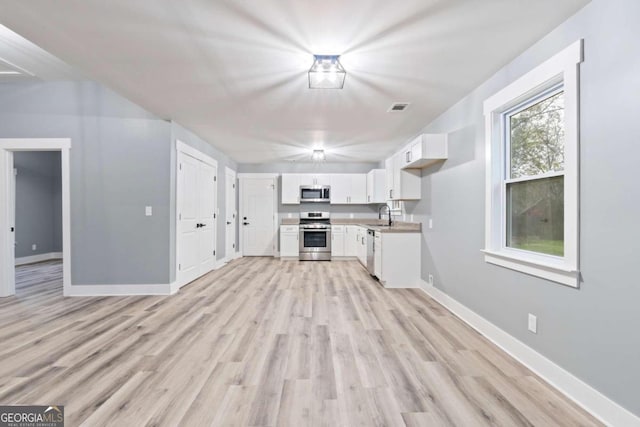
[(388, 212)]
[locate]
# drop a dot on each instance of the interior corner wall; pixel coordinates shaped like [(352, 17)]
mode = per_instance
[(119, 164), (179, 133), (38, 203), (592, 331)]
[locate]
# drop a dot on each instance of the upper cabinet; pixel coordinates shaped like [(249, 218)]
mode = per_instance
[(424, 151), (290, 188), (345, 188), (348, 188), (403, 184), (376, 186)]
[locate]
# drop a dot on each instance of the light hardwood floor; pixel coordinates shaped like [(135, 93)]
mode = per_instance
[(263, 342)]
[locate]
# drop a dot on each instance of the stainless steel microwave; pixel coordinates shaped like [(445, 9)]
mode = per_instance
[(315, 193)]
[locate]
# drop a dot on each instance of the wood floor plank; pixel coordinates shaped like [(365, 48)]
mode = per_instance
[(263, 342)]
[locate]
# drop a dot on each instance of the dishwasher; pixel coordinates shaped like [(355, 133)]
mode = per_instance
[(370, 252)]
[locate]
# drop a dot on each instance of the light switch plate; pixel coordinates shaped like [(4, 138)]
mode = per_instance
[(34, 247), (430, 223), (148, 210), (533, 323)]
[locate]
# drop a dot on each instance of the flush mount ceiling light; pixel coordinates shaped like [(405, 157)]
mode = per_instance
[(326, 72), (318, 156)]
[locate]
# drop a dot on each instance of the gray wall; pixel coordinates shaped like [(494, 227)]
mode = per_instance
[(38, 203), (593, 331), (120, 159)]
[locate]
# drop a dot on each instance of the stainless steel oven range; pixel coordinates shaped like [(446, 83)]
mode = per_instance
[(315, 236)]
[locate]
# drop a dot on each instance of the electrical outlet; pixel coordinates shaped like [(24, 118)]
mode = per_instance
[(430, 223), (533, 323), (34, 247), (431, 279)]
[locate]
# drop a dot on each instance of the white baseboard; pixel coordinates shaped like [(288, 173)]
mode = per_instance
[(120, 290), (38, 258), (594, 402)]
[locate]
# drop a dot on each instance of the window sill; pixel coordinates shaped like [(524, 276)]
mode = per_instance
[(558, 273)]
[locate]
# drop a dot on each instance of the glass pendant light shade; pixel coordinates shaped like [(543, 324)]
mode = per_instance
[(326, 72)]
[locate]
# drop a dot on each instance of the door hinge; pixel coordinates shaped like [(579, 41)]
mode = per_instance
[(214, 216), (233, 245), (179, 267), (214, 253), (180, 166), (180, 217), (234, 186), (215, 178)]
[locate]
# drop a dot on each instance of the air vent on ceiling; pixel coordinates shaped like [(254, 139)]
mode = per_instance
[(398, 106)]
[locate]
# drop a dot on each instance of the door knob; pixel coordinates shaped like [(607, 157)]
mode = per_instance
[(245, 223), (228, 222)]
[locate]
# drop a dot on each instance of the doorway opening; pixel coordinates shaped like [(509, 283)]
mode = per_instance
[(37, 199), (34, 216)]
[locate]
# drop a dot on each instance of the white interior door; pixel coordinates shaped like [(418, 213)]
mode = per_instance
[(207, 215), (257, 221), (230, 212), (196, 200)]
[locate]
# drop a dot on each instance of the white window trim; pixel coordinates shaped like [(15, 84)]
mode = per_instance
[(562, 67)]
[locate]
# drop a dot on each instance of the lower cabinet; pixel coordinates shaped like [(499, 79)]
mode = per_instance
[(289, 241), (337, 240), (397, 259), (361, 245), (377, 255), (350, 240)]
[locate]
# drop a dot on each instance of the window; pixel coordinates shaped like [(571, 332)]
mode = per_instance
[(532, 171)]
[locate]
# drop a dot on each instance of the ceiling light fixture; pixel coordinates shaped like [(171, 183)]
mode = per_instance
[(326, 72), (318, 156)]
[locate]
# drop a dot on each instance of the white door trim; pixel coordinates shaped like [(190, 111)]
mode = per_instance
[(244, 176), (181, 147), (7, 252)]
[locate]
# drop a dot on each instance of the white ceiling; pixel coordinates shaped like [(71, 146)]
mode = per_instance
[(21, 60), (234, 72)]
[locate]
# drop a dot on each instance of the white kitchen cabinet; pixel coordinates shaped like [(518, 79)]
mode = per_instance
[(290, 189), (402, 184), (376, 186), (377, 255), (397, 260), (351, 240), (388, 171), (425, 150), (348, 188), (306, 179), (337, 240), (289, 241), (361, 245), (291, 182)]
